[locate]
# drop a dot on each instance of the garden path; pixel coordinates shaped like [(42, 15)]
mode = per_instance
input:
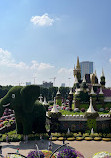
[(87, 148)]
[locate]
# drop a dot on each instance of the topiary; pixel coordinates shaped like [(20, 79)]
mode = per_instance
[(91, 115), (54, 115), (97, 138), (88, 138), (70, 138), (106, 139)]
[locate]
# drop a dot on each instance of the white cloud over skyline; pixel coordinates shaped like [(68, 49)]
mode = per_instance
[(14, 73), (43, 20)]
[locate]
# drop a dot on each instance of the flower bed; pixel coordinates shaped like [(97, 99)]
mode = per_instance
[(103, 154), (69, 153)]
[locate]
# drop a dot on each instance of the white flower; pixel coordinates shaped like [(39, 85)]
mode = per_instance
[(102, 154)]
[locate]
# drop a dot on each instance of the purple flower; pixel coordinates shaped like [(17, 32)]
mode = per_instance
[(35, 154)]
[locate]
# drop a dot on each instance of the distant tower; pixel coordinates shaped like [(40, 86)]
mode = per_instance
[(77, 71), (102, 79), (86, 68)]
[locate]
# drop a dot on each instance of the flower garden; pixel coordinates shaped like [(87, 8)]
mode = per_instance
[(15, 123)]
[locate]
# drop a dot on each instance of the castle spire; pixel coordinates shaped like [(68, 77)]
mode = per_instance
[(91, 109), (95, 73), (78, 65), (102, 72)]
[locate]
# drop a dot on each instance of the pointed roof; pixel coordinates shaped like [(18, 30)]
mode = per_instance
[(40, 98), (77, 92), (58, 92), (101, 92), (95, 73), (78, 65), (76, 80), (84, 80), (74, 66), (54, 109), (70, 91), (91, 109), (92, 91), (102, 72), (45, 102)]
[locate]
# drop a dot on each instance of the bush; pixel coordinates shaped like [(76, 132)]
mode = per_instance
[(61, 138), (97, 138), (83, 109), (54, 115), (70, 138), (88, 138), (91, 115), (106, 139), (53, 138), (79, 138), (68, 153), (35, 154), (86, 134)]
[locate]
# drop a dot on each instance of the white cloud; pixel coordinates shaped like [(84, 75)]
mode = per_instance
[(110, 60), (43, 20), (64, 70)]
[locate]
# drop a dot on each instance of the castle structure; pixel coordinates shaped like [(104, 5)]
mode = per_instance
[(88, 87)]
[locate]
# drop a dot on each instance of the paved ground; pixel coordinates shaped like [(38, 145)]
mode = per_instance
[(87, 148)]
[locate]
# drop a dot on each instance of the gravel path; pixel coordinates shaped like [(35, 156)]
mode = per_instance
[(87, 148)]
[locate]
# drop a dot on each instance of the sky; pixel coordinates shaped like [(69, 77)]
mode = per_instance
[(40, 40)]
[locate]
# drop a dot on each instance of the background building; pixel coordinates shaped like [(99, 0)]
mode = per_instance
[(47, 84), (62, 84), (86, 68), (28, 83)]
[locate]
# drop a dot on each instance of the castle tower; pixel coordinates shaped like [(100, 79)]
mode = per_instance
[(77, 71), (58, 98), (102, 79)]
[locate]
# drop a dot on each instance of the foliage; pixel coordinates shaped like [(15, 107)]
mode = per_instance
[(47, 153), (61, 138), (97, 138), (88, 138), (4, 90), (30, 114), (91, 115), (70, 138), (91, 123), (54, 115), (65, 112), (84, 97), (79, 138), (102, 154), (35, 154), (106, 139), (50, 93), (69, 153)]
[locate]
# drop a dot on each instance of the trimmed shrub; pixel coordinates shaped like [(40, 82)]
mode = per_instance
[(106, 139), (61, 138), (88, 138), (79, 138), (53, 138), (54, 115), (83, 109), (97, 138), (91, 115), (70, 138)]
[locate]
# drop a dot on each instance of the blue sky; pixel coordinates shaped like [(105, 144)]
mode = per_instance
[(42, 39)]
